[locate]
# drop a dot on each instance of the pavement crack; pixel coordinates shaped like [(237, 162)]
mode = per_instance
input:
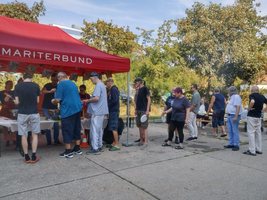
[(143, 189)]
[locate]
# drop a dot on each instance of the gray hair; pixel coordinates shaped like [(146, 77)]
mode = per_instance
[(232, 90), (62, 74), (203, 98), (217, 89), (255, 88)]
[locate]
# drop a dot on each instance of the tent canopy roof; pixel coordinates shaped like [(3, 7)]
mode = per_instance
[(49, 47)]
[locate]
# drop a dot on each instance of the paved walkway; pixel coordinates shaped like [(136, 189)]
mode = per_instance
[(203, 170)]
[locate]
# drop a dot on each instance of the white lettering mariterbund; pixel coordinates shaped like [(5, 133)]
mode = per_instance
[(46, 56)]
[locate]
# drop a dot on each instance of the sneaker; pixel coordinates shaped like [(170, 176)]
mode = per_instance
[(58, 143), (145, 146), (236, 148), (78, 152), (194, 138), (137, 140), (176, 140), (66, 154), (7, 143), (113, 148), (101, 149), (140, 144), (189, 139), (93, 151)]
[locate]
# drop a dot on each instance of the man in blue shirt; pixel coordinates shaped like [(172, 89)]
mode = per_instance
[(70, 111), (114, 112)]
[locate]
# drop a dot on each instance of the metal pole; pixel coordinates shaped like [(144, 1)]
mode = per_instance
[(127, 144)]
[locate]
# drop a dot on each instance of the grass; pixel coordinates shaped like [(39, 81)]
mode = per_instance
[(208, 150), (243, 143)]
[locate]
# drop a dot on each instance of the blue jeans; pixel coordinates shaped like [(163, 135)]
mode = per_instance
[(233, 130), (48, 132)]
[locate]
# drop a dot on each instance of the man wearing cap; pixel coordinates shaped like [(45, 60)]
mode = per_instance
[(114, 112), (70, 111), (142, 109), (194, 107), (98, 108)]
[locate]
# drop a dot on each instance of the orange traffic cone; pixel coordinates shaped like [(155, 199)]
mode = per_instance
[(84, 142)]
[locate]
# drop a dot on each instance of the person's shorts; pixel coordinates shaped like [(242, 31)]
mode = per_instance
[(30, 122), (138, 122), (71, 127), (113, 121), (168, 118), (218, 118)]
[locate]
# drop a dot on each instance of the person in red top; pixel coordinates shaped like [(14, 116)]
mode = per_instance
[(7, 103)]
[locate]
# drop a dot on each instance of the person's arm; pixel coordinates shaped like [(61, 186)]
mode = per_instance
[(211, 104), (236, 113), (38, 99), (148, 104), (187, 115), (251, 104), (94, 99), (55, 101), (167, 111), (192, 107), (165, 107), (16, 101), (45, 91)]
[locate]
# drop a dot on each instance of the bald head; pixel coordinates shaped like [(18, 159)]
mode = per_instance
[(255, 89)]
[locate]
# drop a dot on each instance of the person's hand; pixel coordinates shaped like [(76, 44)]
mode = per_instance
[(186, 121), (53, 90), (135, 112), (53, 101), (234, 119), (147, 113), (162, 113)]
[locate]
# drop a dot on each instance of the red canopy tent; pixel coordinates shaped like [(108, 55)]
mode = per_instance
[(48, 47)]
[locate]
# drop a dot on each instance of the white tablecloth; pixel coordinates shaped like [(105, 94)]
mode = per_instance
[(13, 124)]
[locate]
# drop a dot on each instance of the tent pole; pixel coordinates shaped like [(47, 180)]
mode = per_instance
[(127, 144)]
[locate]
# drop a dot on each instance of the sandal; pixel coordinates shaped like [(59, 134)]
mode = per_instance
[(178, 147), (166, 145), (249, 153)]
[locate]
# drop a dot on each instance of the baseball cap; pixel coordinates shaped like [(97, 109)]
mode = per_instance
[(138, 79), (94, 74), (178, 89)]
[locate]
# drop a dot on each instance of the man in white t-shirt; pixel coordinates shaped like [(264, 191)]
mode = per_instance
[(98, 108)]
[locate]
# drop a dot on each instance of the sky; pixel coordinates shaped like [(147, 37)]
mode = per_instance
[(146, 14)]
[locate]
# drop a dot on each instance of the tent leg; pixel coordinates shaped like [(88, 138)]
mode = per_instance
[(127, 144)]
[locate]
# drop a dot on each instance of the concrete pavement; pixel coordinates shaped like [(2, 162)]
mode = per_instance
[(203, 170)]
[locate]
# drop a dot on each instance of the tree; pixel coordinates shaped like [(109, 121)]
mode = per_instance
[(224, 41), (109, 38), (22, 11)]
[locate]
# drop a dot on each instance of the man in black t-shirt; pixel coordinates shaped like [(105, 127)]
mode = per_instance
[(142, 110), (26, 97), (49, 93), (256, 102)]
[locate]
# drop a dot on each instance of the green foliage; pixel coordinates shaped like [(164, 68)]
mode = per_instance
[(108, 37), (21, 11), (224, 41)]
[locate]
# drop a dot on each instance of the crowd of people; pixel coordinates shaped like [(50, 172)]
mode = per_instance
[(180, 112), (105, 103)]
